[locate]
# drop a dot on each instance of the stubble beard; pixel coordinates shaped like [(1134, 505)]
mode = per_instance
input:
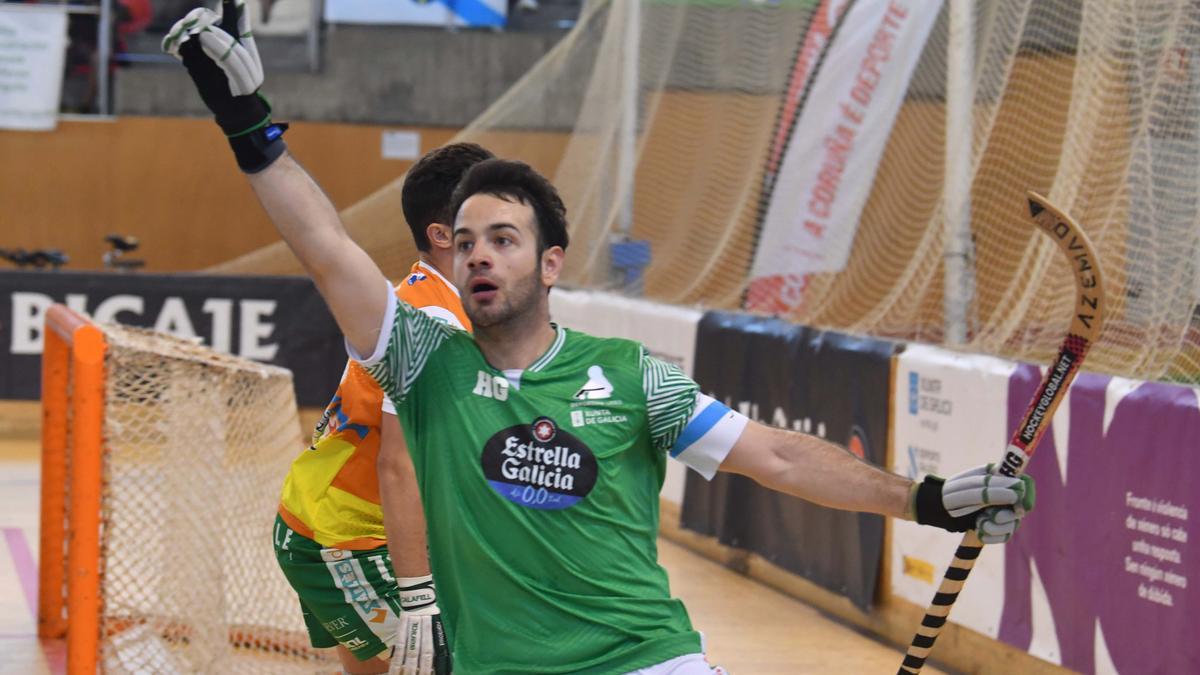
[(516, 303)]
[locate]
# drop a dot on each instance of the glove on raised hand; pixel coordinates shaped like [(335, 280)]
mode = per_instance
[(219, 53), (421, 647), (976, 499)]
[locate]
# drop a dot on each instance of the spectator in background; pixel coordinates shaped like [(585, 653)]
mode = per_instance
[(133, 16), (80, 82), (79, 78)]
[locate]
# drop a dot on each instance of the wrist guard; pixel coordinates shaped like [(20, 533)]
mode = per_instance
[(259, 147), (929, 508)]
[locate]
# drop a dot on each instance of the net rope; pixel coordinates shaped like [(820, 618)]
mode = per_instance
[(196, 444), (1094, 105)]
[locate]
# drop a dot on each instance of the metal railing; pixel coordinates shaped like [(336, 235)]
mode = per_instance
[(105, 11)]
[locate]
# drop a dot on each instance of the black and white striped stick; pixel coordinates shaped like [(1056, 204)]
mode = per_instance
[(1085, 328)]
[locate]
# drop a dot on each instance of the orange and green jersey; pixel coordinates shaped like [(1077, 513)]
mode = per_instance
[(331, 493)]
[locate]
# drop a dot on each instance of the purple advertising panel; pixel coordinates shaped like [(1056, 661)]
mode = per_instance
[(1105, 567)]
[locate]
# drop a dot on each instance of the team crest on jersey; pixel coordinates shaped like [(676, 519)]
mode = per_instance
[(597, 386), (593, 403), (539, 465), (415, 277)]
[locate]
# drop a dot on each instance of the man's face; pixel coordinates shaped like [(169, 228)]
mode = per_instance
[(496, 264)]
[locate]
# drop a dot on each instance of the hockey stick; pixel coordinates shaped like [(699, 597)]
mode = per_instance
[(1085, 328)]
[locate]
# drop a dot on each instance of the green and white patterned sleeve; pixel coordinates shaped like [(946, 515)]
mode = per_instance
[(406, 339), (670, 399), (693, 427)]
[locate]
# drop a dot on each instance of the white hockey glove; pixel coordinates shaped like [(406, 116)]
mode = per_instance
[(219, 53), (421, 647), (976, 499)]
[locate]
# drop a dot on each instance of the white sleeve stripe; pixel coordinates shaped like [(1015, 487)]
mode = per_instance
[(709, 436), (387, 406), (443, 314), (385, 332)]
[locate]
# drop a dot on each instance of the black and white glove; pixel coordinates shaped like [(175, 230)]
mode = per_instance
[(991, 505), (219, 53), (421, 647)]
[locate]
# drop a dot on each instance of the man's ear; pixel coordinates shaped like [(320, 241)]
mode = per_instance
[(440, 236), (552, 264)]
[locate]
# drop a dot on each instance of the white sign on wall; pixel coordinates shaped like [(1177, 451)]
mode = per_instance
[(397, 144), (949, 413), (33, 46), (489, 13)]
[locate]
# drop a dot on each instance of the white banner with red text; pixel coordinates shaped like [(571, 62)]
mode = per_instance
[(834, 144)]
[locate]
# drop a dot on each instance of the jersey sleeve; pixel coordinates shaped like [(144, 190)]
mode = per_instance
[(694, 428), (407, 337), (440, 314)]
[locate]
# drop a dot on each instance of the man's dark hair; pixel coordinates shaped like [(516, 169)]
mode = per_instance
[(430, 183), (510, 180)]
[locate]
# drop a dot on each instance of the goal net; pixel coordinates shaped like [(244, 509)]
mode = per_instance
[(656, 118), (161, 462)]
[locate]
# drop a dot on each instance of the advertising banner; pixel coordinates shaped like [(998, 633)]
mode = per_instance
[(831, 385), (667, 331), (820, 29), (487, 13), (816, 194), (1102, 576), (947, 416), (33, 44), (277, 320)]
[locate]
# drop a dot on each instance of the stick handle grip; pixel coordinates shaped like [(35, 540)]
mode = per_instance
[(939, 609)]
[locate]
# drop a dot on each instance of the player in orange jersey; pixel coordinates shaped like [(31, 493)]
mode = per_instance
[(362, 588)]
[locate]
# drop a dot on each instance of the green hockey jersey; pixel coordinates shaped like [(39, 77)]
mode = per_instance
[(540, 490)]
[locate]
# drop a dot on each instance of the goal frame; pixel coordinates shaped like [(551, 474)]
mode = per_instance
[(77, 453), (73, 391)]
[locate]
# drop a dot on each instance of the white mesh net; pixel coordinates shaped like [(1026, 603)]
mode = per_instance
[(674, 104), (196, 445)]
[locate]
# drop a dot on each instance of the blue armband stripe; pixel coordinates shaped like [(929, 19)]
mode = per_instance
[(699, 426)]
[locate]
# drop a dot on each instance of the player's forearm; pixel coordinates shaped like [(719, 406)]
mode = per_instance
[(302, 213), (824, 473), (351, 283), (403, 515), (405, 523)]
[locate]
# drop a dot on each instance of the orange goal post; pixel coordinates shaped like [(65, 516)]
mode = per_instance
[(161, 466)]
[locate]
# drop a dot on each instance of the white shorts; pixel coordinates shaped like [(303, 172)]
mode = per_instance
[(688, 664)]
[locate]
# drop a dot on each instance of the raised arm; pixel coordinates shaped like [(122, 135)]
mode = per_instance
[(219, 53), (351, 283)]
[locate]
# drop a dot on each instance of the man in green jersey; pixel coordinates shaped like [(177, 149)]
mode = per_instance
[(540, 451)]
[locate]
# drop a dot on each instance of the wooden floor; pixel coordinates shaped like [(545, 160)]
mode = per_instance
[(750, 628)]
